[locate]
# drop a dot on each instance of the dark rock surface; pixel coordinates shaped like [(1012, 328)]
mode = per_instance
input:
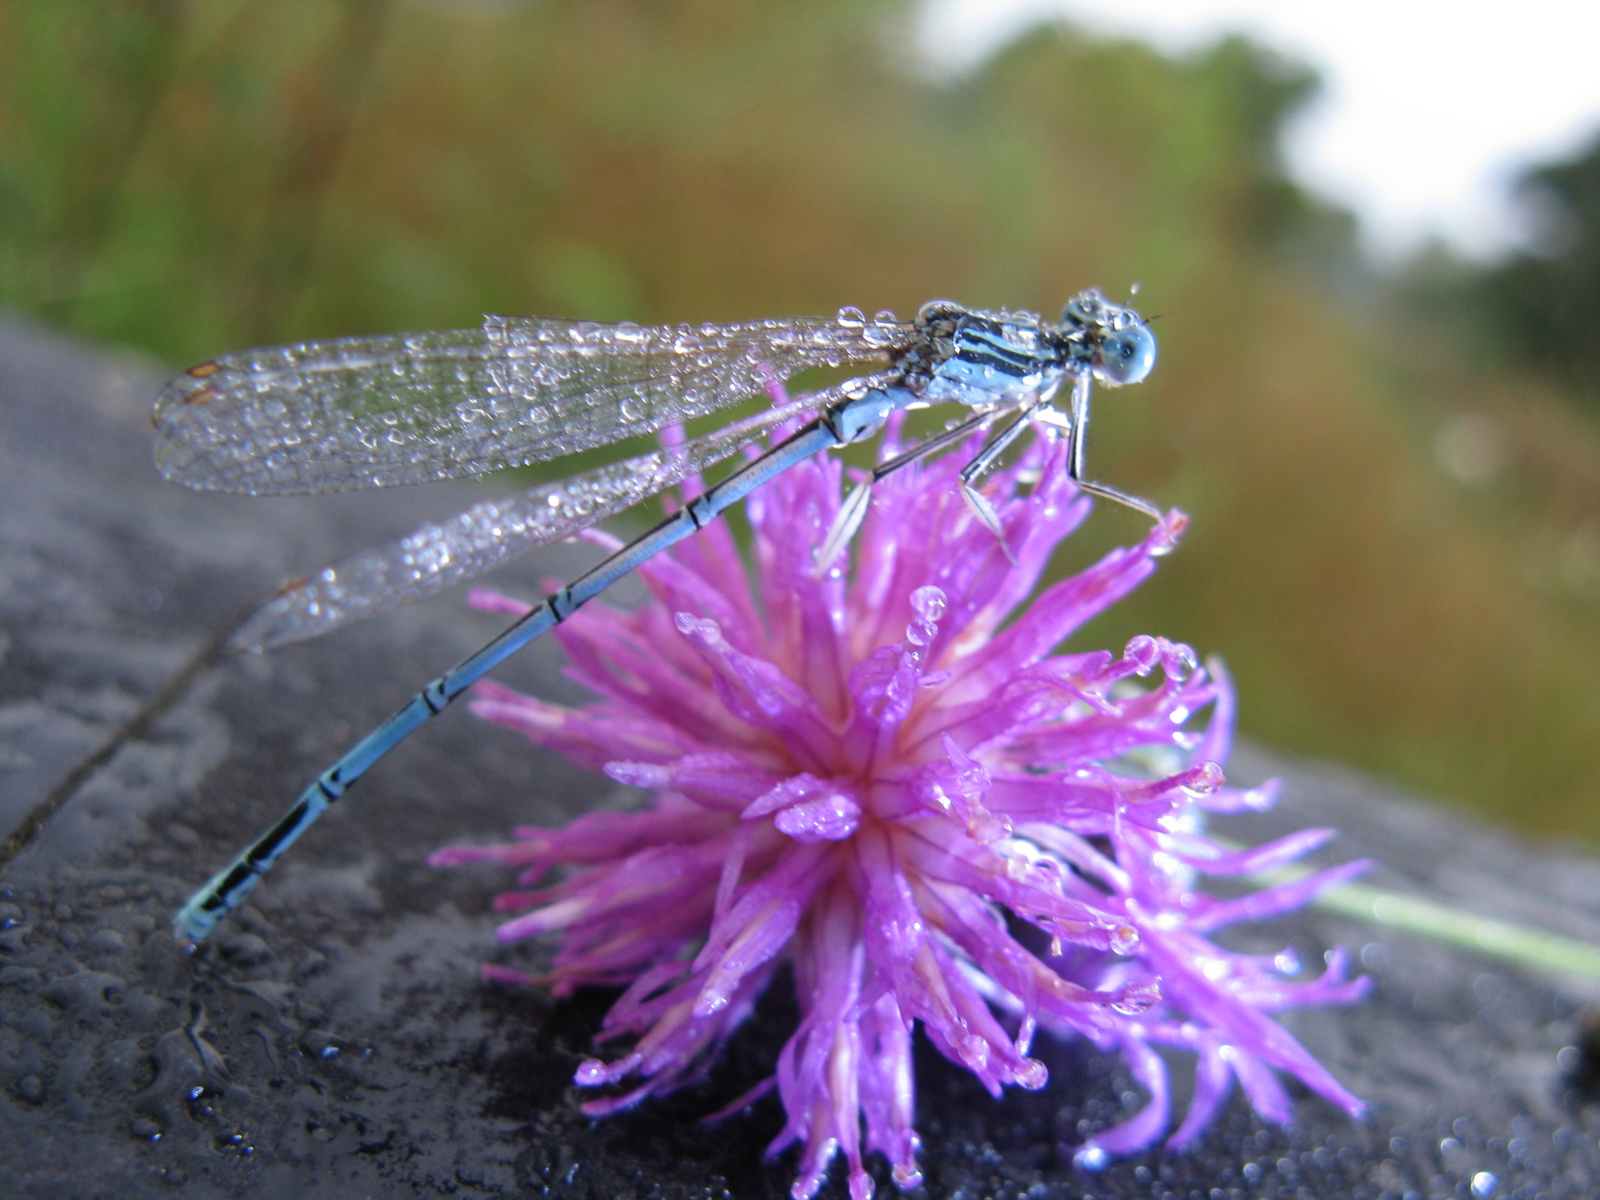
[(334, 1039)]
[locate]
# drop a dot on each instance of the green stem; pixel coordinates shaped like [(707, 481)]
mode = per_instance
[(1516, 944)]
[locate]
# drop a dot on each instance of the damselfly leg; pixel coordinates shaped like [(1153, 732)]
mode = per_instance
[(1077, 430), (854, 510), (980, 464)]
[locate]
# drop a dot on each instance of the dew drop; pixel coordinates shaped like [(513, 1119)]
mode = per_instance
[(1091, 1158), (1033, 1076), (929, 602), (1187, 661), (1143, 652), (1138, 998), (1207, 781), (851, 317), (907, 1177)]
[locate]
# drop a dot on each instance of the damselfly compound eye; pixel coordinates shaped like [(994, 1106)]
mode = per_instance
[(1126, 356)]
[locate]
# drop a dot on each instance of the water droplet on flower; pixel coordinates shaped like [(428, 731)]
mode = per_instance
[(1124, 939), (906, 1177), (638, 774), (1207, 780), (929, 602), (1138, 998), (1286, 961), (703, 630), (1033, 1076), (1484, 1184), (830, 819), (592, 1072), (1143, 652)]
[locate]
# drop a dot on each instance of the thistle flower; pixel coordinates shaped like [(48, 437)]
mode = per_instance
[(880, 777)]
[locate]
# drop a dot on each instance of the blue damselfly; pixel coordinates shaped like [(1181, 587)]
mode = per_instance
[(381, 411)]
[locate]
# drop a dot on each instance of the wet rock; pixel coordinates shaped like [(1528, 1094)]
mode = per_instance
[(335, 1041)]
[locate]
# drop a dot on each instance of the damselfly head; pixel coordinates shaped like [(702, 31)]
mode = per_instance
[(1121, 347), (1125, 356)]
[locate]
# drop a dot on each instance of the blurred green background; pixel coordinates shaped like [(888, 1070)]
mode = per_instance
[(1394, 482)]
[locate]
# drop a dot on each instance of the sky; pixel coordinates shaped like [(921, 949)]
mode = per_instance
[(1428, 112)]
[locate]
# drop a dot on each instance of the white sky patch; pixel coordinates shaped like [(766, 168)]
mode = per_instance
[(1429, 110)]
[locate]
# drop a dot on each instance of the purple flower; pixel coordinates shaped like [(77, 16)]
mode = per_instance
[(864, 775)]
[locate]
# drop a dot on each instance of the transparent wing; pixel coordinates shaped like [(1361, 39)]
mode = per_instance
[(379, 411), (436, 557)]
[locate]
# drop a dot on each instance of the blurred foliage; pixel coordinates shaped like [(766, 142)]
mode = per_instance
[(1396, 550), (1541, 307)]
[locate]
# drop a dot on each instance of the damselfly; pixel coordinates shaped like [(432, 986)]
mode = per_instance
[(379, 411)]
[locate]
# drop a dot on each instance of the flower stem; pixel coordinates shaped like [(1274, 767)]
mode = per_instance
[(1517, 944)]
